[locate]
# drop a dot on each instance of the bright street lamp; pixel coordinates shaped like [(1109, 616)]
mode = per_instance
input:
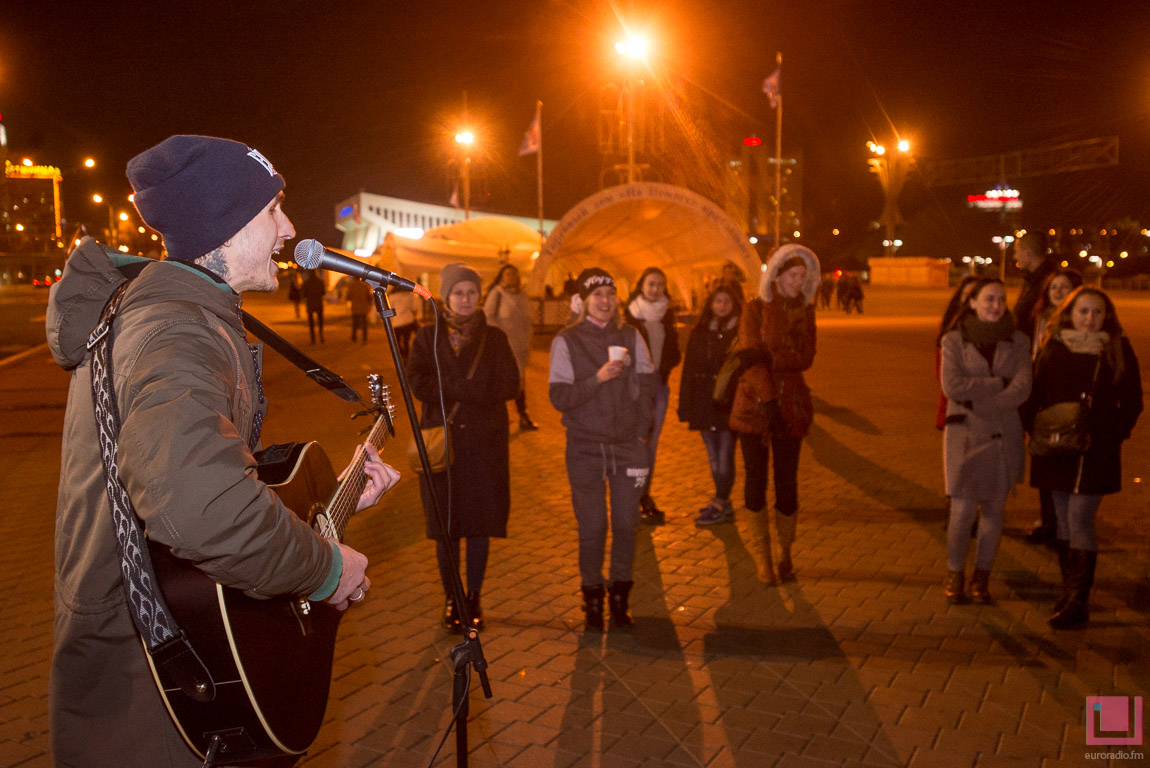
[(634, 47), (891, 171), (1002, 242), (465, 139)]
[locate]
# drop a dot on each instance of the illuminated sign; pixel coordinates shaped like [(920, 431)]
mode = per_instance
[(346, 211), (31, 171), (996, 200)]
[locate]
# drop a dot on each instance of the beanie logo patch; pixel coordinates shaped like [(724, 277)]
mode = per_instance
[(596, 281), (255, 155)]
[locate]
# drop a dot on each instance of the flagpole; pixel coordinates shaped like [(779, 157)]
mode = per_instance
[(539, 163), (779, 153)]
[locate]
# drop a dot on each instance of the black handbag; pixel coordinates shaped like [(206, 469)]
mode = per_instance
[(1063, 429)]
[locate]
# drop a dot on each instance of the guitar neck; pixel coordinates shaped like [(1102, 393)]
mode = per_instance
[(343, 502)]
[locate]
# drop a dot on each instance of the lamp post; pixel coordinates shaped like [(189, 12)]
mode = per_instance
[(465, 139), (891, 171), (113, 227), (1002, 243), (635, 49)]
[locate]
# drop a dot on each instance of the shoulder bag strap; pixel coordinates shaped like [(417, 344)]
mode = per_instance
[(165, 640), (470, 372)]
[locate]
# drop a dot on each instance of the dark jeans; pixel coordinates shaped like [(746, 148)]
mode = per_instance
[(756, 458), (403, 336), (721, 453)]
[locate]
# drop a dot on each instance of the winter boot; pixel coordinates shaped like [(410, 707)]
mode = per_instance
[(525, 423), (451, 616), (593, 606), (760, 529), (1063, 549), (955, 581), (1076, 612), (619, 597), (980, 587), (785, 527), (475, 609)]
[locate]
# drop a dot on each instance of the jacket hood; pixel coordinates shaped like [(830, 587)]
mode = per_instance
[(92, 275), (780, 257)]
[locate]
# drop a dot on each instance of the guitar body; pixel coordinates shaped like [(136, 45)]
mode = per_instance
[(270, 659)]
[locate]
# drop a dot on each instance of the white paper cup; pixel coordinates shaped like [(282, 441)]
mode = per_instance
[(617, 353)]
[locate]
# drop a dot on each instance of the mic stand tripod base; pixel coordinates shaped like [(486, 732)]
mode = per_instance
[(469, 652)]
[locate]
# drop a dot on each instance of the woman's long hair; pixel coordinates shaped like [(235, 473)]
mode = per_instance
[(1043, 303), (954, 306), (499, 279), (976, 287), (1063, 319), (642, 279), (708, 313)]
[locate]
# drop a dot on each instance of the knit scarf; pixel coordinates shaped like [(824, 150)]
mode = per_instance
[(1084, 342), (981, 332), (649, 311), (460, 330)]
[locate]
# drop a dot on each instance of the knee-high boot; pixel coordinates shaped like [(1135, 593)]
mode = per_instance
[(760, 529), (1077, 611), (785, 526)]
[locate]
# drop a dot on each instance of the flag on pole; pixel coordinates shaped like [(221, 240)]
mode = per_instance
[(771, 87), (453, 201), (531, 139)]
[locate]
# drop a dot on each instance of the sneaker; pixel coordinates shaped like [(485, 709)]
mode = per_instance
[(710, 515)]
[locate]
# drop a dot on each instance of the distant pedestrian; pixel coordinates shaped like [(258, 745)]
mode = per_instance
[(295, 296), (985, 377), (1055, 289), (359, 297), (707, 348), (650, 311), (603, 382), (313, 293), (826, 290), (773, 410), (1084, 357), (733, 276), (507, 307), (406, 320), (1033, 256)]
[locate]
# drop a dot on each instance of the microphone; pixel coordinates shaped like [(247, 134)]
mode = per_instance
[(310, 254)]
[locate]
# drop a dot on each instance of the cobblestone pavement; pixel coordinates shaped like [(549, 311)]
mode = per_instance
[(860, 662)]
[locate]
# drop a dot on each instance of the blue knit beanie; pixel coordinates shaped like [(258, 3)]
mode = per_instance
[(198, 191)]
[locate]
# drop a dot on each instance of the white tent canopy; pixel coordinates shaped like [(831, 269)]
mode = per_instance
[(485, 243), (626, 228)]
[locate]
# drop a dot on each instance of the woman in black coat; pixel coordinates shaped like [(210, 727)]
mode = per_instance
[(1084, 353), (710, 341), (480, 494)]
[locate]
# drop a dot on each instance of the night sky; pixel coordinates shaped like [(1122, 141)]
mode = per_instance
[(349, 96)]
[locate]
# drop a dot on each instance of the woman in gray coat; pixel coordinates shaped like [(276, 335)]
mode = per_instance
[(985, 377)]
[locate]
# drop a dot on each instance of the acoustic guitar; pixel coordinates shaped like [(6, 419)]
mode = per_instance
[(270, 659)]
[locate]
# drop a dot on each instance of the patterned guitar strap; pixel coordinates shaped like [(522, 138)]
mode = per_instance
[(175, 660)]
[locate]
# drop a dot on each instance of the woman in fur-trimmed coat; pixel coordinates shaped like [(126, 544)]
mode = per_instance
[(773, 410)]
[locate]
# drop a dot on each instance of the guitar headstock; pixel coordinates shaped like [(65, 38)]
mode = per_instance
[(381, 401)]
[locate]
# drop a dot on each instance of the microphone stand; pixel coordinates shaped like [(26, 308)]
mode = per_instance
[(470, 651)]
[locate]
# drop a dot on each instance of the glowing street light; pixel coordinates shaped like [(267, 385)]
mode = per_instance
[(891, 171), (465, 138), (89, 163), (635, 47)]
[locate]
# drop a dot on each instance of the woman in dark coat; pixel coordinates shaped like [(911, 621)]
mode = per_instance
[(649, 309), (1084, 351), (707, 348), (480, 493)]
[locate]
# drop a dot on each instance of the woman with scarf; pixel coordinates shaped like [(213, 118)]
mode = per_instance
[(507, 308), (707, 348), (1084, 355), (1056, 288), (773, 410), (985, 377), (479, 501), (649, 309)]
